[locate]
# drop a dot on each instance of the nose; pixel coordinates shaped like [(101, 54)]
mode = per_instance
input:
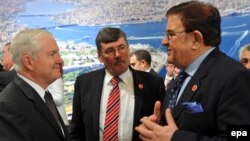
[(117, 53), (59, 59), (165, 41)]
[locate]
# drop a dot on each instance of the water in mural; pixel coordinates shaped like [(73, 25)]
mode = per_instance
[(76, 23)]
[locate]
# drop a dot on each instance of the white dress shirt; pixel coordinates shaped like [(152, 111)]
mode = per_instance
[(126, 117)]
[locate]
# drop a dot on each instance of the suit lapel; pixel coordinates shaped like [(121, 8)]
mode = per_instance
[(39, 104), (95, 105), (138, 91), (195, 82)]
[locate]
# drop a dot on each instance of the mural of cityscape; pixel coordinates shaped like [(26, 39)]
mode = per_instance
[(75, 23)]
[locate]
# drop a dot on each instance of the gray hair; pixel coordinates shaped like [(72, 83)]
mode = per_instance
[(26, 42), (244, 48)]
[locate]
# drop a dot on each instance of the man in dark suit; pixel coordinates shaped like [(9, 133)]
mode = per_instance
[(138, 91), (216, 92), (9, 72), (141, 60), (6, 77), (24, 115)]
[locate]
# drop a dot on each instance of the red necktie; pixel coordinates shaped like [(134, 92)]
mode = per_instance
[(112, 113)]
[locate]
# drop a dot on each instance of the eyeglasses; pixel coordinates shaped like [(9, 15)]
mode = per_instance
[(170, 34), (111, 51)]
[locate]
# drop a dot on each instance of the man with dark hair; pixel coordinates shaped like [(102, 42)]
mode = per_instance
[(211, 92), (141, 60), (108, 103)]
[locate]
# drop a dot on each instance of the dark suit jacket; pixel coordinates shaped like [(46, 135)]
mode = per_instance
[(222, 87), (6, 77), (87, 97), (152, 71), (24, 116)]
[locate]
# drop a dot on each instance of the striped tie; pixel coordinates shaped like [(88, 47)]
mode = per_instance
[(112, 113)]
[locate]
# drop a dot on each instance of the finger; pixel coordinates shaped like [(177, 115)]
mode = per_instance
[(169, 117), (144, 138), (144, 132), (148, 123), (157, 111)]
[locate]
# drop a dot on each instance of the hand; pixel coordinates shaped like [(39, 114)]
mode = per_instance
[(150, 130)]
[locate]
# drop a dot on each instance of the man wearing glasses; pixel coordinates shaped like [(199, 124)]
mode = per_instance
[(215, 93), (135, 93)]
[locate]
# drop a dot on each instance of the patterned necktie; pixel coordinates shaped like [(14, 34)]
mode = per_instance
[(51, 105), (112, 113), (176, 89)]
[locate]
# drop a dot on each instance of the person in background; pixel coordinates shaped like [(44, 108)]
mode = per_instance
[(141, 60), (57, 91), (135, 93), (172, 73), (244, 55), (1, 66), (9, 72), (27, 110), (211, 92)]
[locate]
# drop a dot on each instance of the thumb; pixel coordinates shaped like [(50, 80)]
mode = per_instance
[(169, 117), (157, 111)]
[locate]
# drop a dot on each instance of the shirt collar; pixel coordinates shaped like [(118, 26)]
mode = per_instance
[(125, 77), (192, 68), (34, 85)]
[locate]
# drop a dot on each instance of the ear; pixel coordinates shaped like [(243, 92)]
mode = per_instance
[(143, 62), (27, 62), (99, 56), (198, 39)]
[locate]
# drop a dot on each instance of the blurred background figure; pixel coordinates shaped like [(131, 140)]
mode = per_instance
[(244, 55), (57, 91), (1, 66), (172, 73), (141, 60), (8, 73), (6, 58)]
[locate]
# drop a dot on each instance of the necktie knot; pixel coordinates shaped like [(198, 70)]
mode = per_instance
[(47, 96), (115, 81), (182, 76)]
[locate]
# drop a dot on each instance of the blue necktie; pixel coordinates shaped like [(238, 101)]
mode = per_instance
[(176, 89)]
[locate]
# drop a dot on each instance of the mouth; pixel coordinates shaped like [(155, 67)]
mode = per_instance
[(169, 51)]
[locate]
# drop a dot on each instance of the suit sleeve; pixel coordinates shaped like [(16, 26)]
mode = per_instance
[(232, 109), (77, 132), (13, 126)]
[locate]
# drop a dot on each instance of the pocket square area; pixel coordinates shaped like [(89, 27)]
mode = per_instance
[(192, 107)]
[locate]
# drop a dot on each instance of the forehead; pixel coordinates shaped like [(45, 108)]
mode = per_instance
[(48, 42), (133, 58), (174, 23), (47, 45), (116, 43), (170, 65), (246, 54)]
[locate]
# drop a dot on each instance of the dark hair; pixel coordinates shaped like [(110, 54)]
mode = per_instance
[(109, 34), (200, 16), (142, 54)]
